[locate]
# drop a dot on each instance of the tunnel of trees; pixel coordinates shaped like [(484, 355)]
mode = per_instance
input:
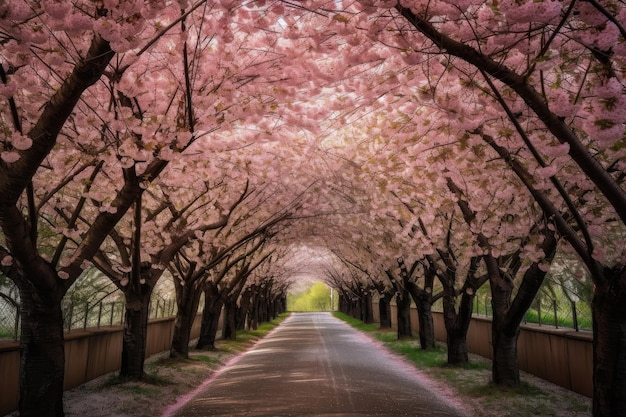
[(413, 150)]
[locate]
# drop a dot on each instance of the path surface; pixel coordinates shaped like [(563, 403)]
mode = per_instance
[(316, 365)]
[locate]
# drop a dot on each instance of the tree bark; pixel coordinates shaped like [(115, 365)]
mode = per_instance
[(609, 343), (507, 317), (426, 326), (243, 310), (185, 316), (505, 366), (457, 325), (210, 321), (368, 308), (423, 299), (42, 348), (254, 314), (403, 304), (135, 331), (384, 310), (229, 329)]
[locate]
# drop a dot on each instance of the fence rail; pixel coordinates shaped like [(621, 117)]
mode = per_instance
[(81, 315)]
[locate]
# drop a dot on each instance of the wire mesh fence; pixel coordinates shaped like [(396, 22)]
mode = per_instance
[(82, 315), (85, 315), (9, 317), (546, 311)]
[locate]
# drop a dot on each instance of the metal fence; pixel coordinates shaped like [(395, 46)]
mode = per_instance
[(82, 315), (9, 317), (548, 312)]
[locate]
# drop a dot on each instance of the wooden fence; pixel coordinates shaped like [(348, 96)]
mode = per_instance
[(561, 356), (89, 354)]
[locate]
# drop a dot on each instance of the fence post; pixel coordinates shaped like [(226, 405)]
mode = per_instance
[(112, 313), (17, 322), (86, 318), (99, 314), (574, 315), (69, 321), (556, 321), (539, 311)]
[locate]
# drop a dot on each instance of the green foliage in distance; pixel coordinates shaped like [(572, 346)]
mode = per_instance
[(315, 298)]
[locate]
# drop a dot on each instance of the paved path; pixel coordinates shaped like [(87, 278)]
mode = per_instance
[(316, 365)]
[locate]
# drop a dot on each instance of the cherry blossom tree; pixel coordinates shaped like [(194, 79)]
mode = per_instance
[(579, 112), (466, 138), (546, 65), (41, 87), (52, 52)]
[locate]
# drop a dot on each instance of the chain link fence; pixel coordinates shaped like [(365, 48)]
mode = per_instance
[(82, 315)]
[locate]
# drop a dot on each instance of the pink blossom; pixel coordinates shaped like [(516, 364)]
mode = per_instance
[(611, 88), (19, 11), (589, 14), (57, 9), (560, 103), (9, 156), (21, 142)]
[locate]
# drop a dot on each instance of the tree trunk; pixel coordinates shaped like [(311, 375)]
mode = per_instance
[(457, 325), (368, 308), (229, 329), (254, 314), (426, 326), (403, 304), (135, 331), (508, 313), (271, 313), (609, 343), (42, 353), (423, 299), (384, 310), (505, 365), (505, 368), (185, 316), (243, 311), (342, 304), (210, 323)]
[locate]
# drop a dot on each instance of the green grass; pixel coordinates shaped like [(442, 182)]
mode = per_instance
[(356, 323), (211, 360), (547, 318), (245, 338), (6, 334)]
